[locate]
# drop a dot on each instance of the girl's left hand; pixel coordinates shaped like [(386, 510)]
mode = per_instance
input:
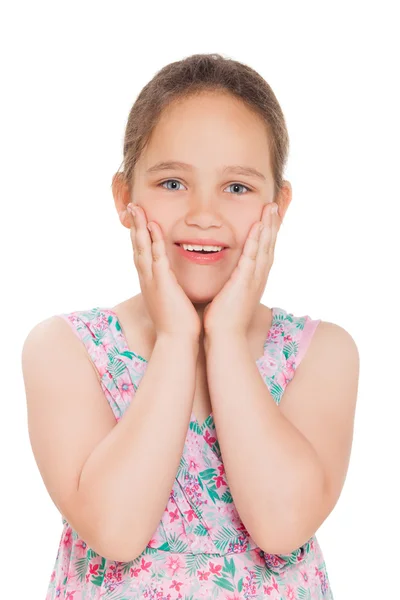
[(233, 308)]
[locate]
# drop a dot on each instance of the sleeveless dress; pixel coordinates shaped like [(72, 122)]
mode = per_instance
[(200, 548)]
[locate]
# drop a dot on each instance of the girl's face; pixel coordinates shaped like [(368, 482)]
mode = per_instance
[(210, 133)]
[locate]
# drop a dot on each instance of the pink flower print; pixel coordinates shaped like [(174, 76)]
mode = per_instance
[(93, 569), (53, 576), (219, 480), (290, 593), (276, 331), (221, 469), (125, 386), (134, 571), (70, 596), (174, 565), (304, 575), (138, 365), (281, 379), (193, 464), (215, 569), (241, 527), (81, 547), (223, 509), (108, 343), (234, 597), (288, 337), (67, 537), (268, 589), (175, 585), (269, 366), (204, 575), (58, 590), (100, 322), (209, 439), (144, 566), (291, 366), (174, 515), (190, 514)]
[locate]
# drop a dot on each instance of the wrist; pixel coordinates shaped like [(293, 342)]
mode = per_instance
[(223, 336), (179, 339)]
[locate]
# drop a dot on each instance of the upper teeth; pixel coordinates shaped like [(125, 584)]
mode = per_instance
[(208, 248)]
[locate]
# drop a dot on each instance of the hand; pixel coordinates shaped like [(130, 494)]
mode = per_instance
[(233, 308), (170, 309)]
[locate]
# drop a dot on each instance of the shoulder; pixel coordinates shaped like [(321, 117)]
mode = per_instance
[(332, 341), (58, 337), (332, 358)]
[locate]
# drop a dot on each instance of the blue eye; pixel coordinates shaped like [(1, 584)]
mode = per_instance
[(240, 185), (167, 181), (237, 184)]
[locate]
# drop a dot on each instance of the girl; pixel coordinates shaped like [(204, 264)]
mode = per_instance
[(185, 456)]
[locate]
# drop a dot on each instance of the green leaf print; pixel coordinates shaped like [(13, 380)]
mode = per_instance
[(227, 497), (224, 537), (200, 530), (229, 567), (176, 544), (81, 566), (208, 474), (99, 578), (194, 426), (290, 348), (240, 584), (126, 567), (194, 562), (224, 583)]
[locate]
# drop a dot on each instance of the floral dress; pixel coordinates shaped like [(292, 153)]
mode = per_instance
[(200, 548)]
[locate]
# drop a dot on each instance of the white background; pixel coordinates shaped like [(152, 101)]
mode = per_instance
[(70, 74)]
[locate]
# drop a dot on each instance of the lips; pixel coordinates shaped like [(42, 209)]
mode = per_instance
[(200, 258), (202, 242)]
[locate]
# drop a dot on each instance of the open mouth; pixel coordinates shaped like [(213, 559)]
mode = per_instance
[(202, 256)]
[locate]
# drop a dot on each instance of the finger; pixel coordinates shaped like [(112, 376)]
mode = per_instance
[(160, 262), (141, 244), (264, 258), (248, 260), (274, 227), (265, 255)]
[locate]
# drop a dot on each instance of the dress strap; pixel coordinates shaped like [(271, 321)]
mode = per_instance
[(94, 327)]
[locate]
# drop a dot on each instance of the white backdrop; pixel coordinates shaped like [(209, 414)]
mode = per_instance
[(70, 73)]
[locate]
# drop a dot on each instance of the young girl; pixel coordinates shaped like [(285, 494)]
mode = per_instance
[(185, 456)]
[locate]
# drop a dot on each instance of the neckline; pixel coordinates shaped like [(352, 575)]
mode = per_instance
[(209, 420)]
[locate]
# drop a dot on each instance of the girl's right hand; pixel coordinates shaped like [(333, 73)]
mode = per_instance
[(170, 309)]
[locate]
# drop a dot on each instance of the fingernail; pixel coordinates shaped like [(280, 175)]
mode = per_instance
[(274, 209)]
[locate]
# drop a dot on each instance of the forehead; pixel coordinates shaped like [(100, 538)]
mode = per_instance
[(208, 130)]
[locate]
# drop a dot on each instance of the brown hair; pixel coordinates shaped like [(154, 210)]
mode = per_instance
[(196, 74)]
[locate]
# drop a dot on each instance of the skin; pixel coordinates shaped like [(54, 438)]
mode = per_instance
[(207, 132)]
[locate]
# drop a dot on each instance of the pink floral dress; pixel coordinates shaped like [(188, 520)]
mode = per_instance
[(200, 549)]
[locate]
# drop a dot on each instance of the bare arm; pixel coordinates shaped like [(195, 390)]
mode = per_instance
[(129, 475), (110, 480)]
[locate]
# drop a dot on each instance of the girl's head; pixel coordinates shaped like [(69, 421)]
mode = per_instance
[(210, 113)]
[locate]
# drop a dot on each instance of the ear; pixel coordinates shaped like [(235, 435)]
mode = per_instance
[(122, 197), (284, 198)]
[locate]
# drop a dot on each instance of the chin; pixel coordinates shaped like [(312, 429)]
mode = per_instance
[(200, 293)]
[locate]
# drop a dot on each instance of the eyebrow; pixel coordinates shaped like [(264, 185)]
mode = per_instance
[(239, 169)]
